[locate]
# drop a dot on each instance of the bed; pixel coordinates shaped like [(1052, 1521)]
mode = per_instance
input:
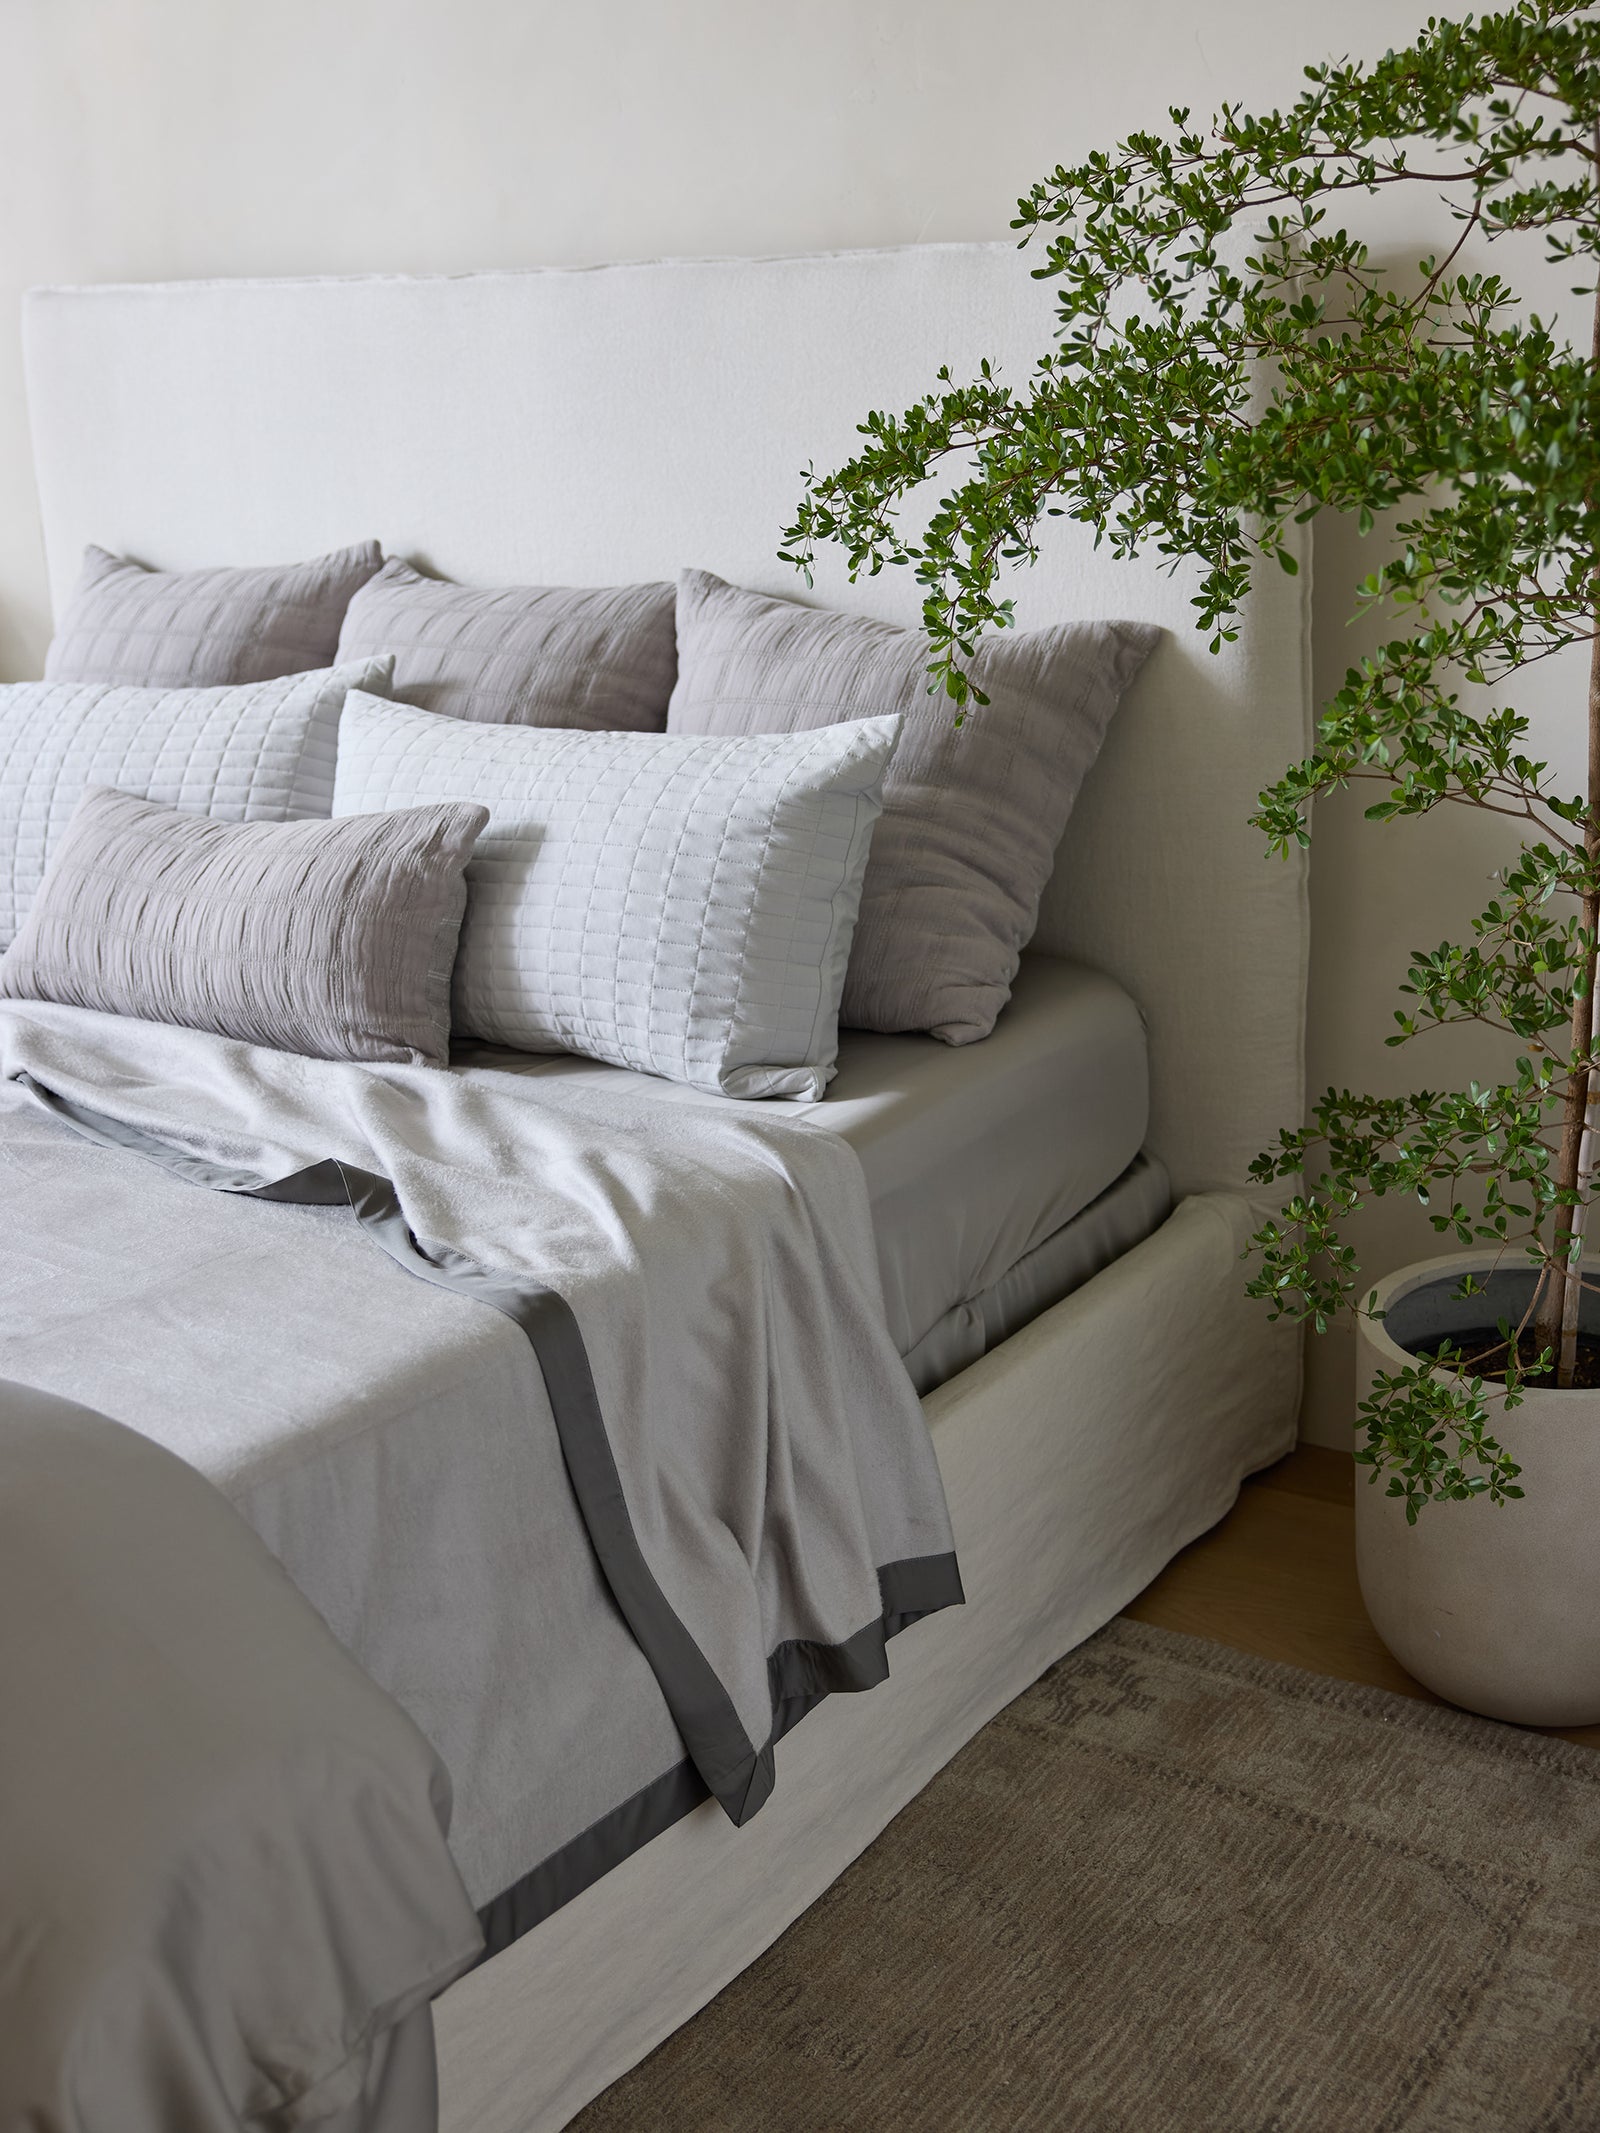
[(1068, 1295)]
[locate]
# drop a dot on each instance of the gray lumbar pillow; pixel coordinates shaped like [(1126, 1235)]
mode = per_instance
[(198, 629), (333, 939), (972, 814), (600, 658)]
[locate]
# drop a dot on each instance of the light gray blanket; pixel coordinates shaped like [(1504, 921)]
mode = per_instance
[(603, 1540)]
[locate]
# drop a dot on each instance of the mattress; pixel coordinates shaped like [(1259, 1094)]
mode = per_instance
[(1000, 1174)]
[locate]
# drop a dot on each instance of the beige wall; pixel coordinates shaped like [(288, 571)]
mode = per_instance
[(144, 139)]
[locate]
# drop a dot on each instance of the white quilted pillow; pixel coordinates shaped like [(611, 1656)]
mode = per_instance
[(262, 751), (682, 905)]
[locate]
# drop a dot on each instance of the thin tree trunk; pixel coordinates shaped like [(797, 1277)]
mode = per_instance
[(1561, 1277), (1556, 1326), (1567, 1357)]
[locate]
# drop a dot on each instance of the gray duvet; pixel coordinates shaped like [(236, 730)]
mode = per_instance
[(579, 1423), (225, 1894)]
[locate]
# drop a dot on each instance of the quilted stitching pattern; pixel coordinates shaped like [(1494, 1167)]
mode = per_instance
[(260, 753), (972, 814), (521, 655), (196, 629), (332, 939), (680, 906)]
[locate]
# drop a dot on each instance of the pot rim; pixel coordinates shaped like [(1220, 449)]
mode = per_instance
[(1418, 1274)]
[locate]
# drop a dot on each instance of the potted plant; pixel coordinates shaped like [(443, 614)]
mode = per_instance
[(1440, 412)]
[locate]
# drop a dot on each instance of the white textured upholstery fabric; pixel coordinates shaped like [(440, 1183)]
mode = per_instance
[(528, 428), (261, 752), (682, 906)]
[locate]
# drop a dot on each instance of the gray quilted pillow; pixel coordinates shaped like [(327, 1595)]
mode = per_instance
[(597, 658), (972, 814), (681, 906), (198, 629), (333, 939), (263, 752)]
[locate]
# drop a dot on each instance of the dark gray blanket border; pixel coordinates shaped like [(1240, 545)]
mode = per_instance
[(801, 1674), (732, 1770)]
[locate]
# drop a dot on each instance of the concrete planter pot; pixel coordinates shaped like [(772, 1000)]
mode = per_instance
[(1496, 1608)]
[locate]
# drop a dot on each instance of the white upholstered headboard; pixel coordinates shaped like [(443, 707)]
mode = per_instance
[(612, 424)]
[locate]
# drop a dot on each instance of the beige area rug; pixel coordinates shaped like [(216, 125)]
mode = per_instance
[(1177, 1887)]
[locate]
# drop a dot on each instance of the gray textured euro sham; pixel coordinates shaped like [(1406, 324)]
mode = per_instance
[(197, 629), (600, 658), (332, 939), (972, 815)]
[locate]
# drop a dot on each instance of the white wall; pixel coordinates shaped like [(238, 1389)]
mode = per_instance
[(157, 139)]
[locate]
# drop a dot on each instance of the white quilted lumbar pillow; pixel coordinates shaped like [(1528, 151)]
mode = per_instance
[(260, 751), (682, 905)]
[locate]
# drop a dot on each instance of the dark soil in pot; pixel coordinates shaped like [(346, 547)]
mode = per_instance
[(1430, 1321)]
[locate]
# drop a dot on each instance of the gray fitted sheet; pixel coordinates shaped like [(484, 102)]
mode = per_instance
[(977, 1156), (1123, 1216)]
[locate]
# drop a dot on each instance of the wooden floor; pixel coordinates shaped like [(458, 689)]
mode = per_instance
[(1278, 1578)]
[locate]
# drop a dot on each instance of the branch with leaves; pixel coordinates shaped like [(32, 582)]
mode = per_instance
[(1201, 411)]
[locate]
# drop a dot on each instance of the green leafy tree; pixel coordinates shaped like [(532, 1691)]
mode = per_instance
[(1439, 406)]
